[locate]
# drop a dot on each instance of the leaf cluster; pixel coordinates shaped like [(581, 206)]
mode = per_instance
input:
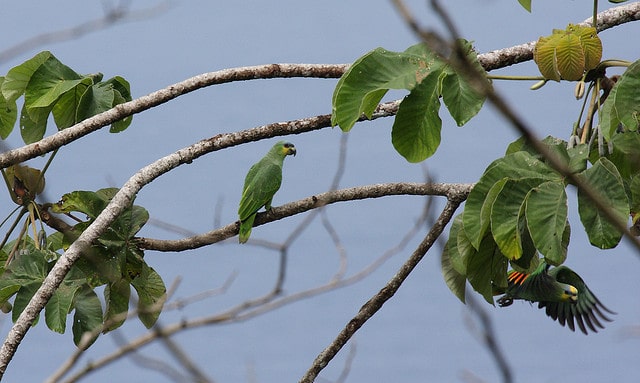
[(416, 129), (52, 88), (518, 211), (114, 262)]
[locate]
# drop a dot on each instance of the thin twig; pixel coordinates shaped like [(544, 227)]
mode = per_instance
[(375, 303)]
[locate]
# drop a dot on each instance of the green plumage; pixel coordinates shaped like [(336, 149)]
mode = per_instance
[(261, 184), (563, 294)]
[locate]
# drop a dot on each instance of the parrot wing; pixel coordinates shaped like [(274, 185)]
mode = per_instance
[(585, 312), (262, 183), (534, 287)]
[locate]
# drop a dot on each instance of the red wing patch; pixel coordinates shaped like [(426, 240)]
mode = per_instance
[(517, 277)]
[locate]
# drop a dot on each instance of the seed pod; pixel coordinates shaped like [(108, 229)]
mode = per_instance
[(568, 54)]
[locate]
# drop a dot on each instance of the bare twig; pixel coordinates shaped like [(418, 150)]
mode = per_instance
[(111, 17), (487, 336), (375, 303), (256, 307)]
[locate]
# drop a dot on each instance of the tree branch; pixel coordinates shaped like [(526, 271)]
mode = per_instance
[(490, 61), (306, 204), (375, 303)]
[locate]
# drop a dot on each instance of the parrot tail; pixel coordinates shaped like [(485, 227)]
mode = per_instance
[(245, 228)]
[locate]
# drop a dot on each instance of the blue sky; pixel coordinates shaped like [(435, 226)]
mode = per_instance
[(424, 330)]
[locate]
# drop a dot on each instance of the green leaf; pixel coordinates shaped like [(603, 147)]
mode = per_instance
[(505, 215), (58, 307), (88, 315), (622, 106), (634, 187), (626, 153), (526, 4), (116, 296), (122, 94), (87, 202), (97, 99), (368, 79), (151, 295), (454, 280), (18, 77), (516, 166), (33, 125), (8, 114), (459, 247), (546, 211), (23, 297), (416, 129), (48, 83), (578, 156), (487, 268), (606, 181), (462, 101), (65, 110)]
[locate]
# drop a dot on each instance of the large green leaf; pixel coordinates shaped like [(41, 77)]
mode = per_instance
[(603, 177), (622, 106), (506, 212), (122, 94), (515, 166), (59, 306), (33, 125), (19, 76), (151, 295), (459, 247), (23, 297), (462, 101), (626, 153), (416, 129), (455, 281), (368, 79), (116, 296), (97, 99), (48, 83), (546, 211), (65, 111), (88, 315), (487, 268), (8, 114)]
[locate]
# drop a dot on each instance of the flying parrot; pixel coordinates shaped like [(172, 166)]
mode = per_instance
[(261, 184), (561, 292)]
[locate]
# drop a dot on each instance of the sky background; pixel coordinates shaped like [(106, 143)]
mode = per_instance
[(423, 333)]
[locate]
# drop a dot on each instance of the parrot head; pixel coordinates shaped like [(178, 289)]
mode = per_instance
[(569, 293), (288, 148)]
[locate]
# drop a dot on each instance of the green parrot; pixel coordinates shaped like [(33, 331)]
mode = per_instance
[(561, 292), (261, 184)]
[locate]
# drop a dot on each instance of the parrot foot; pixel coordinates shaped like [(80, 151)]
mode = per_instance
[(505, 301)]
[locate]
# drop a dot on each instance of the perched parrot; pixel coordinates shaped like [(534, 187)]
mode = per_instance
[(561, 292), (260, 185)]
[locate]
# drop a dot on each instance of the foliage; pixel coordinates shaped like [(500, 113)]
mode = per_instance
[(416, 130), (114, 261), (518, 211)]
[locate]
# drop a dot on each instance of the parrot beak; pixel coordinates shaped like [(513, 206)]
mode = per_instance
[(293, 151)]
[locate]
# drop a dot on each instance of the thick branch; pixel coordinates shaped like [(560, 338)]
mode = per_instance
[(162, 96), (309, 203), (490, 61), (524, 52)]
